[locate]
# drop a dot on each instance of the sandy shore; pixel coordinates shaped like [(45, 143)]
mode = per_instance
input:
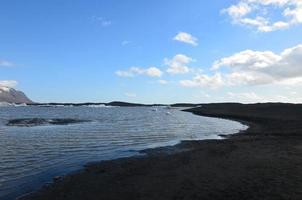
[(264, 162)]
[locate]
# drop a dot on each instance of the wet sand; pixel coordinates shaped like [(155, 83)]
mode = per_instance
[(264, 162)]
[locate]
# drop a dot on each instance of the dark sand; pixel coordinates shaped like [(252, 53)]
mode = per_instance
[(264, 162)]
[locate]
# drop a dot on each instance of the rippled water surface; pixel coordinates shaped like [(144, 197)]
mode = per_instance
[(31, 156)]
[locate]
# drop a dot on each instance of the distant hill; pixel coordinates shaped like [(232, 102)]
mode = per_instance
[(124, 104), (185, 105), (113, 103), (11, 95)]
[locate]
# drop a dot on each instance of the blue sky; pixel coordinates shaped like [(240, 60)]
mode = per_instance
[(152, 51)]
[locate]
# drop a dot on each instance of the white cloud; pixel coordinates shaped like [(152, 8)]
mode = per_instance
[(252, 97), (178, 64), (186, 38), (126, 42), (133, 71), (163, 82), (239, 10), (256, 67), (250, 13), (203, 80), (104, 22), (130, 94), (292, 81), (293, 93), (8, 83), (253, 68), (154, 72), (5, 63), (201, 96), (248, 97), (124, 73), (248, 58)]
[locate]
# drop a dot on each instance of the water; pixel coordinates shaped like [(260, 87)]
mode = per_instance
[(31, 156)]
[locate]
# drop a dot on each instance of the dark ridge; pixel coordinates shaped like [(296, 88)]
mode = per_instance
[(185, 105), (124, 104), (65, 104), (113, 103)]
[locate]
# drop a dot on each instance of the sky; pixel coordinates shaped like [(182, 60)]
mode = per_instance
[(152, 51)]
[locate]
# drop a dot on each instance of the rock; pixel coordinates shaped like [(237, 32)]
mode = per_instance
[(28, 122), (57, 178)]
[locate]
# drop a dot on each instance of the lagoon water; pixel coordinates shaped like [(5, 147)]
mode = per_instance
[(31, 156)]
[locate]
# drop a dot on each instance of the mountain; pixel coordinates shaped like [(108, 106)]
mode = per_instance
[(11, 95)]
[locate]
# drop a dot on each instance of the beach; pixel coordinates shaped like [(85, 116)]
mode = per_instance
[(263, 162)]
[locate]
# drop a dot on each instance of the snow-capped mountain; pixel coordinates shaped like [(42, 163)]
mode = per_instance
[(10, 95)]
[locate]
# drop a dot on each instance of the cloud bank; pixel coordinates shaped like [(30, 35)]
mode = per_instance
[(257, 14), (253, 68)]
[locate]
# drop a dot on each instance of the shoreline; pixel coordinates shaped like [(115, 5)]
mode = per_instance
[(30, 185), (186, 161), (167, 149)]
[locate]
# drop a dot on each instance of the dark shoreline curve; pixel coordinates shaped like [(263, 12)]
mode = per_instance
[(263, 163)]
